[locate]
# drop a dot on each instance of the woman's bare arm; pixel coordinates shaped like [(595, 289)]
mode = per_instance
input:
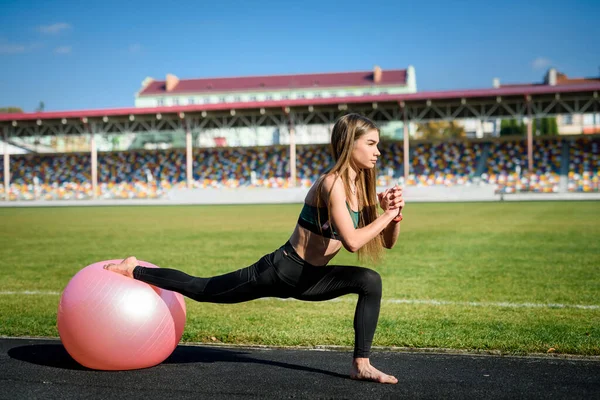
[(352, 238)]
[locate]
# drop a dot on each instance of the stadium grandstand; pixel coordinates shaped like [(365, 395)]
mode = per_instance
[(271, 132)]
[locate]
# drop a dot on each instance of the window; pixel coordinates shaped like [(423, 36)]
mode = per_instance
[(318, 95), (160, 102), (301, 95), (269, 97), (237, 99), (588, 119), (222, 99), (191, 100), (175, 101), (253, 98), (567, 119)]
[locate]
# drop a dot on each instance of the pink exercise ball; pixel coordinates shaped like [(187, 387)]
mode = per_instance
[(108, 321)]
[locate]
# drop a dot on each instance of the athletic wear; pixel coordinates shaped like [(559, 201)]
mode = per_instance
[(283, 274), (310, 216)]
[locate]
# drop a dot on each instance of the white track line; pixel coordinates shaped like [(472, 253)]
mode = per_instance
[(492, 304), (396, 301), (476, 303)]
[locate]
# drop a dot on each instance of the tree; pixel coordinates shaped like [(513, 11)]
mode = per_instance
[(549, 126), (553, 127), (441, 130), (545, 126), (10, 110), (510, 127)]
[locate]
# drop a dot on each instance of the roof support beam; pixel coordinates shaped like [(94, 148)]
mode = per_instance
[(417, 107), (94, 154), (406, 146), (189, 161), (529, 136), (292, 130), (6, 166)]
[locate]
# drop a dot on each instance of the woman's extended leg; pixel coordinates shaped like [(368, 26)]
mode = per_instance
[(253, 282)]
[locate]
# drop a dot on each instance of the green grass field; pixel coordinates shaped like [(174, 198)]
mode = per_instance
[(504, 277)]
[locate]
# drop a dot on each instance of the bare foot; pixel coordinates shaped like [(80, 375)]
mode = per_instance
[(124, 268), (363, 370)]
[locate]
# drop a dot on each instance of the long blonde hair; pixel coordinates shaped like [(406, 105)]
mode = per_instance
[(346, 131)]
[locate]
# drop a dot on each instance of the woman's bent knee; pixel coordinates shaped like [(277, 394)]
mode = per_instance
[(371, 282)]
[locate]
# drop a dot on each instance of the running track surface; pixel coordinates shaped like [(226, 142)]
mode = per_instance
[(42, 369)]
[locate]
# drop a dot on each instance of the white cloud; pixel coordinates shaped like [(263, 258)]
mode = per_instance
[(541, 63), (54, 28), (12, 48), (135, 48), (63, 50), (7, 47)]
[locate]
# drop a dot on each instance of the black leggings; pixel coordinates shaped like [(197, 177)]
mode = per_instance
[(283, 274)]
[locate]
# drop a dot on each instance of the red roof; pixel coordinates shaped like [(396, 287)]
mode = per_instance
[(277, 82), (575, 81), (451, 95), (561, 80)]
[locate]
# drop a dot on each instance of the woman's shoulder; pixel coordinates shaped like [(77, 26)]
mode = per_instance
[(330, 185), (328, 181)]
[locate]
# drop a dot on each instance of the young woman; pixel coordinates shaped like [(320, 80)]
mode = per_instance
[(341, 209)]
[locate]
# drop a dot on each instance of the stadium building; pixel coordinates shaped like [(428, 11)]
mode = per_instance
[(260, 89), (244, 132), (568, 123)]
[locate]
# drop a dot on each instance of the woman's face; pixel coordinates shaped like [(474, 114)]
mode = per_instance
[(365, 152)]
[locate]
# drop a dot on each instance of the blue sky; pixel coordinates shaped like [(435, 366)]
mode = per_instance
[(95, 54)]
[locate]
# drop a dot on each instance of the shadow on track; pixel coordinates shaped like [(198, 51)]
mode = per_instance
[(56, 356)]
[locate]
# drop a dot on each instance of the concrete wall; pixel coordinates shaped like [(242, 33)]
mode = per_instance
[(296, 196)]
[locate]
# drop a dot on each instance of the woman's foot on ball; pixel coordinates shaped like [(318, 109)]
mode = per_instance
[(125, 267)]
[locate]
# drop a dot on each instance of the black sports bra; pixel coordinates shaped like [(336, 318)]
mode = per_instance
[(310, 216)]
